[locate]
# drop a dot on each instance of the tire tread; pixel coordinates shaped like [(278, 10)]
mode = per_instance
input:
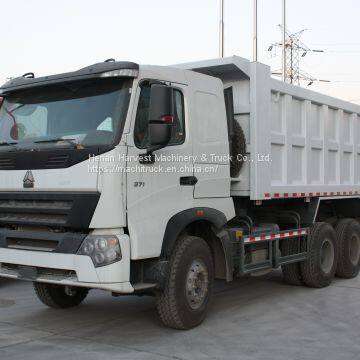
[(48, 297), (310, 268), (344, 269), (166, 301), (291, 272)]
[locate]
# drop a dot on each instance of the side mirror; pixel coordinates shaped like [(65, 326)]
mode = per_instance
[(159, 134), (161, 116)]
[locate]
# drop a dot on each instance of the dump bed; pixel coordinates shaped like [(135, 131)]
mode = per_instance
[(300, 143)]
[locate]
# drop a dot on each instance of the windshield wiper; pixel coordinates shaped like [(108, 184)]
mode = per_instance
[(55, 140)]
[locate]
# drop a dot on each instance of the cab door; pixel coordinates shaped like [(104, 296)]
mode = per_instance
[(155, 192)]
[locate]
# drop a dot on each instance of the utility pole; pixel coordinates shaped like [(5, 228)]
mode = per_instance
[(221, 34), (284, 41), (255, 35)]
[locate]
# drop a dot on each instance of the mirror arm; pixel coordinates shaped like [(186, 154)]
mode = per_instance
[(149, 157)]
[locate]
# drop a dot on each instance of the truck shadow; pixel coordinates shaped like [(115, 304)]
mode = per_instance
[(126, 314), (264, 306)]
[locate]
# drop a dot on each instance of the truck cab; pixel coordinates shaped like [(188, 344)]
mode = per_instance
[(86, 196)]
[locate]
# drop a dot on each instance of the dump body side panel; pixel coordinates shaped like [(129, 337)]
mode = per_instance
[(300, 143)]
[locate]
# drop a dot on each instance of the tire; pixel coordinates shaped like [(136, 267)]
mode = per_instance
[(348, 237), (291, 272), (238, 148), (191, 263), (319, 269), (60, 297)]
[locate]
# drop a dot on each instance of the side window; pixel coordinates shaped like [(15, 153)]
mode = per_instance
[(178, 132), (142, 118)]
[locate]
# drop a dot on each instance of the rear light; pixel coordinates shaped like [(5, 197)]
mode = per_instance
[(168, 119)]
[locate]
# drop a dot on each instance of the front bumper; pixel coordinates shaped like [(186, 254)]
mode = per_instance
[(68, 269)]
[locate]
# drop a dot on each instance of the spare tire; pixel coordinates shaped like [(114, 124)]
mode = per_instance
[(238, 150)]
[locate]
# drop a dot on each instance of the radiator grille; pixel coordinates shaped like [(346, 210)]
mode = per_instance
[(34, 212), (36, 204), (69, 210), (42, 273), (31, 244), (57, 161), (6, 164)]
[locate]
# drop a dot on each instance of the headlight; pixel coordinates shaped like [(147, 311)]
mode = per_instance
[(103, 250)]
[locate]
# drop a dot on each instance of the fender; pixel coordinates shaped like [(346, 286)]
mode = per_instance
[(179, 221), (216, 218)]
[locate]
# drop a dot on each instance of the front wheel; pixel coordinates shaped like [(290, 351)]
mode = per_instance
[(183, 303), (59, 296)]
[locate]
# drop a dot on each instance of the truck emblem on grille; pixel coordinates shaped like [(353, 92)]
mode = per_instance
[(29, 180)]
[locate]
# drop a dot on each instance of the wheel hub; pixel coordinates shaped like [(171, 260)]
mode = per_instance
[(327, 256), (355, 250), (70, 291), (197, 284)]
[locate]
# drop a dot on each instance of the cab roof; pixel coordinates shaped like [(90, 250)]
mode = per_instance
[(93, 71)]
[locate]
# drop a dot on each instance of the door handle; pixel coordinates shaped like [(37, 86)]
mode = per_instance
[(188, 180)]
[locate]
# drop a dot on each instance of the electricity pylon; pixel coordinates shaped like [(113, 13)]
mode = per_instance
[(295, 49)]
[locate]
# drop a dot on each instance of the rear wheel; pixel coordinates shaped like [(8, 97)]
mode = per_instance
[(348, 237), (183, 303), (319, 269), (58, 296)]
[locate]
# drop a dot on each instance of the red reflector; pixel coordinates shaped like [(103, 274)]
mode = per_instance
[(167, 119), (200, 212)]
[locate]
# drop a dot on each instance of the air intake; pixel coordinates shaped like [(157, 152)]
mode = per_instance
[(57, 161), (6, 164)]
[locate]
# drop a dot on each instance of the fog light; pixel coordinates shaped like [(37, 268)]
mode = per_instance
[(103, 250)]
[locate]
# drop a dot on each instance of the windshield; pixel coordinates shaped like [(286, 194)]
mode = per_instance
[(72, 115)]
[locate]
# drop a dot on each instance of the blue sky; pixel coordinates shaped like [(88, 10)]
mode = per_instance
[(56, 36)]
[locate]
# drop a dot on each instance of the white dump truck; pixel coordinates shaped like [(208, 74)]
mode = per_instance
[(158, 180)]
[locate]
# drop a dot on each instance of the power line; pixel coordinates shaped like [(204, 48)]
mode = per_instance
[(335, 44), (343, 51), (346, 81)]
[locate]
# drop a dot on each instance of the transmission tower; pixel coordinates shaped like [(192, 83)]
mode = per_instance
[(295, 49)]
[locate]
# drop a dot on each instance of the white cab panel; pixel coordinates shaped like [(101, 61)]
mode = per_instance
[(74, 178)]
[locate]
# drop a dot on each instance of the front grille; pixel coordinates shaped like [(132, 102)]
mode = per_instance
[(34, 219), (37, 204), (57, 161), (6, 164), (49, 241), (34, 212), (70, 210), (31, 244), (41, 272)]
